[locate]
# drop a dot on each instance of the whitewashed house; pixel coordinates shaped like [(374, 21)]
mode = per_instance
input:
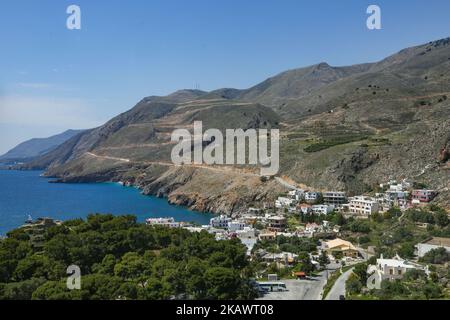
[(362, 206), (220, 222), (236, 225), (312, 197), (164, 222), (305, 208), (392, 269), (296, 194), (283, 202), (322, 209)]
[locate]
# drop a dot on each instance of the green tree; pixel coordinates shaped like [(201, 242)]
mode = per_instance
[(156, 289), (353, 285), (323, 259), (436, 256), (20, 290), (360, 271), (54, 290), (131, 266), (441, 219), (106, 266), (34, 266), (407, 250), (222, 283)]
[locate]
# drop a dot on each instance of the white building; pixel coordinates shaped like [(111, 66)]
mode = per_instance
[(397, 197), (433, 243), (305, 208), (322, 209), (283, 257), (236, 225), (246, 233), (392, 269), (283, 202), (396, 194), (362, 206), (165, 222), (296, 194), (195, 229), (311, 196), (393, 185), (220, 222), (396, 187), (313, 227)]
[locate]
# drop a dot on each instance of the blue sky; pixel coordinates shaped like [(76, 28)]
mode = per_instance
[(53, 78)]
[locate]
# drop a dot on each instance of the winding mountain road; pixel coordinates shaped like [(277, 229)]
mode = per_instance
[(226, 169)]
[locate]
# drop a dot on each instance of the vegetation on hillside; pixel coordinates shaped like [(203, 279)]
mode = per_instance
[(334, 141), (394, 233), (122, 259)]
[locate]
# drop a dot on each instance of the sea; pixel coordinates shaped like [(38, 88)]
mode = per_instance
[(24, 193)]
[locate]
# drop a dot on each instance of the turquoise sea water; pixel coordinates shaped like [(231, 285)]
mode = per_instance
[(25, 192)]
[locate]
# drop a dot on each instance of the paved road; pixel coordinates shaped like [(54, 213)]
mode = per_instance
[(299, 289), (339, 286), (225, 169)]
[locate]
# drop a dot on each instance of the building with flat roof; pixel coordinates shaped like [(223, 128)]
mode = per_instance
[(334, 197), (236, 225), (423, 195), (267, 235), (283, 202), (277, 223), (305, 208), (311, 197), (164, 222), (434, 243), (220, 222), (322, 209), (362, 206)]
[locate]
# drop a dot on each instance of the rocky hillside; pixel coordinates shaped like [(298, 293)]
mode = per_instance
[(346, 128)]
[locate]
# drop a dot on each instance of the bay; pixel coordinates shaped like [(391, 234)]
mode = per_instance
[(26, 192)]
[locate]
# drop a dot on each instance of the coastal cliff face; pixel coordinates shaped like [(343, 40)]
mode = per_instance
[(217, 192), (346, 128), (200, 189)]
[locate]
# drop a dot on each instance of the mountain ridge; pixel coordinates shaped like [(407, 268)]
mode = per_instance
[(37, 146), (347, 128)]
